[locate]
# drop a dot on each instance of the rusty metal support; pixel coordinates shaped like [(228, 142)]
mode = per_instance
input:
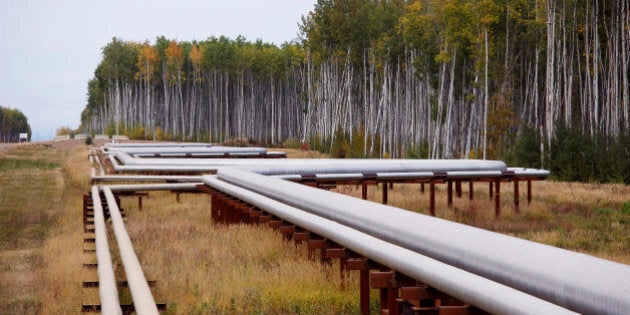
[(300, 236), (364, 190), (458, 188), (529, 191), (490, 191), (363, 265), (422, 187), (497, 198), (471, 193), (389, 283), (338, 252), (317, 242), (432, 198), (384, 193), (287, 231), (449, 188), (516, 195), (386, 283)]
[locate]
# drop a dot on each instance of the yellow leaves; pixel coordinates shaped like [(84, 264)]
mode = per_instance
[(195, 55), (488, 19), (147, 58), (174, 61), (173, 54), (443, 57)]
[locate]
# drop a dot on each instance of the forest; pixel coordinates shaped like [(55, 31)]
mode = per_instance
[(12, 123), (538, 83)]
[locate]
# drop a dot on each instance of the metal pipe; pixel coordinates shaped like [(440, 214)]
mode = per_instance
[(156, 144), (153, 187), (146, 178), (185, 150), (478, 174), (107, 281), (310, 166), (577, 281), (483, 293), (92, 168), (100, 165), (529, 172), (404, 175), (141, 293)]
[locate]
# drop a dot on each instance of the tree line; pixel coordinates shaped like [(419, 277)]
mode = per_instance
[(12, 123), (431, 79)]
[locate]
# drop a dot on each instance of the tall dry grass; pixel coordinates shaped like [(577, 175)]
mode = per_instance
[(63, 249), (207, 268), (34, 208)]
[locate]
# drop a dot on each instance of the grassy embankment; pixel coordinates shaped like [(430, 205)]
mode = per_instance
[(202, 268)]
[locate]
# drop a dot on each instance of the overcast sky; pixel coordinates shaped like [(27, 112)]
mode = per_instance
[(50, 49)]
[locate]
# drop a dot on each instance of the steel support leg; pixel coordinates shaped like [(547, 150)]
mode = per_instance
[(516, 196), (432, 198), (364, 190), (384, 193), (449, 188), (497, 198), (529, 191)]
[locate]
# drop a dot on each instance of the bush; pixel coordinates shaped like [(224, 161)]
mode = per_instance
[(526, 151), (292, 143), (340, 147), (575, 156)]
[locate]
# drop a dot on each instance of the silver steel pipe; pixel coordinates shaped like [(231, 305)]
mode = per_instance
[(140, 292), (106, 280), (156, 144), (160, 168), (529, 172), (478, 291), (153, 187), (146, 178), (186, 150), (100, 165), (317, 166), (92, 168), (576, 281)]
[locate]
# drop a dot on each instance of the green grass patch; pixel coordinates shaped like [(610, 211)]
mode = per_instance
[(18, 164)]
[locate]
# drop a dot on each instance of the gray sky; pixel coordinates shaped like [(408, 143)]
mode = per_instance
[(49, 49)]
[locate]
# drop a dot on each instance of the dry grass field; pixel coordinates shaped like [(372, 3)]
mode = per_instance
[(40, 237), (201, 268)]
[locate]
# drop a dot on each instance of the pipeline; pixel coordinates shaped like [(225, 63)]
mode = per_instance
[(107, 281), (146, 178), (302, 166), (100, 165), (179, 150), (156, 144), (483, 293), (576, 281), (153, 187), (140, 291)]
